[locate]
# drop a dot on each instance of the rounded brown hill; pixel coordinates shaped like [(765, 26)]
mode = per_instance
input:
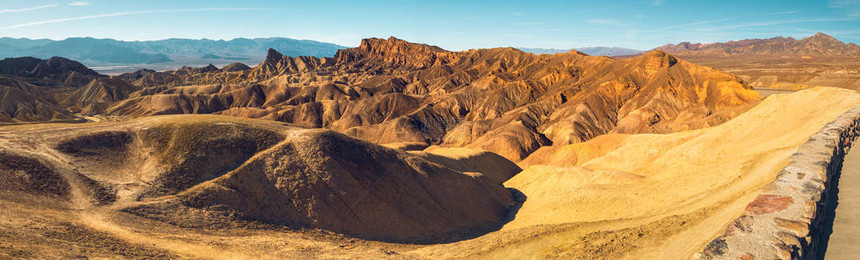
[(213, 170)]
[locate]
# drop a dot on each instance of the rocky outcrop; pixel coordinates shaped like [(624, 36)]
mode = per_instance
[(390, 91), (788, 220), (96, 96)]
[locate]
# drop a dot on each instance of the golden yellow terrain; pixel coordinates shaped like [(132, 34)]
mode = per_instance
[(652, 196), (490, 153), (644, 196), (788, 72)]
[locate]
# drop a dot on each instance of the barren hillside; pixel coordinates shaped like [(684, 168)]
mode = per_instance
[(780, 63), (392, 91), (218, 187)]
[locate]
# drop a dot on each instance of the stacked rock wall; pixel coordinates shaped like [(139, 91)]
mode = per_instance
[(793, 216)]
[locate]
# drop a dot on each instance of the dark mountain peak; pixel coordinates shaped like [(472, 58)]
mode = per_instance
[(53, 68), (209, 68), (18, 66), (273, 56), (273, 53), (60, 65), (821, 35), (186, 70), (132, 76), (236, 66)]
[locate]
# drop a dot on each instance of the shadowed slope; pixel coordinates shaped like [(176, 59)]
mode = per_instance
[(327, 180), (199, 170)]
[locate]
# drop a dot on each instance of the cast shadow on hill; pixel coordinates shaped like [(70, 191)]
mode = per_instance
[(475, 232), (207, 179), (449, 237)]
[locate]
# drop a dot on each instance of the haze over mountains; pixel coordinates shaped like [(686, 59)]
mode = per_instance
[(520, 154), (161, 54), (593, 51), (780, 62), (391, 91), (394, 149), (114, 56), (819, 44)]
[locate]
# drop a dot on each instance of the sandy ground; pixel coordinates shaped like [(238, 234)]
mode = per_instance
[(776, 72), (769, 92), (655, 196), (644, 196), (845, 240)]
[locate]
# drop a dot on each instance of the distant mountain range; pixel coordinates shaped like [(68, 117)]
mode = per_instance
[(819, 44), (171, 52), (593, 51)]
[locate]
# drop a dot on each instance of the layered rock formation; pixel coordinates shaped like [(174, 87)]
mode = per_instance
[(502, 100), (31, 89), (387, 91), (24, 102)]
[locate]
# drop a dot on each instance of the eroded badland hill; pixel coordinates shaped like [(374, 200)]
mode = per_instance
[(391, 149)]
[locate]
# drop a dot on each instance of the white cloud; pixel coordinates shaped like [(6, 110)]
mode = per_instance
[(691, 24), (843, 3), (80, 3), (526, 23), (761, 24), (657, 2), (61, 20), (3, 11), (604, 21), (850, 7), (779, 13)]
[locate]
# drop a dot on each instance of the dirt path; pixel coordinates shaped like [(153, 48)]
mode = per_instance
[(99, 220), (846, 226)]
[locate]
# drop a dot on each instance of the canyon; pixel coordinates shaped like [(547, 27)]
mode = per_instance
[(395, 149)]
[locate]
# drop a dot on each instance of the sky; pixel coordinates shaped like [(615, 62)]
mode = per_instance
[(453, 25)]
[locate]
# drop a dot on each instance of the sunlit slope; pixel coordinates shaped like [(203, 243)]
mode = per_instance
[(649, 195)]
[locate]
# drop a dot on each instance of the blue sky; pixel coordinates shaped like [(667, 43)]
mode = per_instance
[(454, 25)]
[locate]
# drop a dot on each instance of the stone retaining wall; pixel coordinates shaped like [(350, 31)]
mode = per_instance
[(793, 216)]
